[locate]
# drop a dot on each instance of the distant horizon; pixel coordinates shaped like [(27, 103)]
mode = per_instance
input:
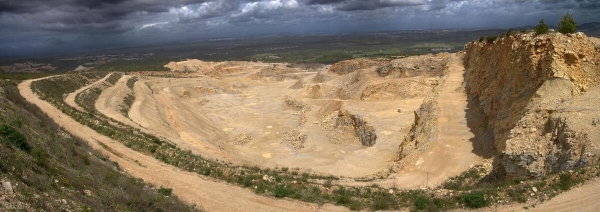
[(42, 27), (255, 36)]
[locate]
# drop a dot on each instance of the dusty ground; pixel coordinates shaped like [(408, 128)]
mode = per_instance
[(206, 115), (209, 115), (193, 188)]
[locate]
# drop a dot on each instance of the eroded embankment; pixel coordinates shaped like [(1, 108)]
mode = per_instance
[(528, 88)]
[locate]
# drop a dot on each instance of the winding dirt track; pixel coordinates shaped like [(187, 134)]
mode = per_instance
[(190, 187), (70, 99)]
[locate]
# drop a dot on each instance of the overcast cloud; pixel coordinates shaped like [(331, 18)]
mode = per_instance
[(30, 27)]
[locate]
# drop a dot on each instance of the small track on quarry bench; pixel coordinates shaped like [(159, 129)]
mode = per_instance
[(190, 187), (107, 102), (452, 153), (70, 99)]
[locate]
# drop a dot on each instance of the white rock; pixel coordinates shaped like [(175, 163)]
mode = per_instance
[(7, 186), (534, 189)]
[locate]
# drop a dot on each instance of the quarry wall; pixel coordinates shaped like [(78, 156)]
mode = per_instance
[(531, 88)]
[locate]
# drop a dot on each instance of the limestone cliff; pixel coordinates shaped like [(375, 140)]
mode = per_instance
[(534, 91)]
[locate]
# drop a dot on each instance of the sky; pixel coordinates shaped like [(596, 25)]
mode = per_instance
[(46, 27)]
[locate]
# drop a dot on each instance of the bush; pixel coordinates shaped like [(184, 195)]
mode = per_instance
[(541, 28), (566, 182), (14, 137), (421, 203), (165, 191), (474, 200), (491, 39), (567, 24)]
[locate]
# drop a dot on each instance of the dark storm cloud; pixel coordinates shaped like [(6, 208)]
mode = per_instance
[(33, 23), (353, 5), (87, 15)]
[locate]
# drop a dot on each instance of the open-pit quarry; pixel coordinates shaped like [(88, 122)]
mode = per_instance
[(520, 106)]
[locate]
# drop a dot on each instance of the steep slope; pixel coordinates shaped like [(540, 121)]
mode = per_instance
[(537, 93), (48, 169)]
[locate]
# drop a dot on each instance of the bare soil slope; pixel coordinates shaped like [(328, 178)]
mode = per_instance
[(188, 186)]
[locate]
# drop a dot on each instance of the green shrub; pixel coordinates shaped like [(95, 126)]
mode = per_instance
[(283, 191), (491, 39), (13, 137), (567, 24), (566, 182), (165, 191), (421, 203), (474, 200), (541, 28)]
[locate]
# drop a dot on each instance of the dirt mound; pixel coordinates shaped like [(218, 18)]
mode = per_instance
[(314, 92), (321, 78), (530, 90), (349, 86), (241, 139), (298, 85)]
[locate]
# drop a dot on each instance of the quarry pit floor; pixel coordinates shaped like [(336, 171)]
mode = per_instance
[(207, 114)]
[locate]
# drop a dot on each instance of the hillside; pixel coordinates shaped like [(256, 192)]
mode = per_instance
[(44, 167), (590, 29)]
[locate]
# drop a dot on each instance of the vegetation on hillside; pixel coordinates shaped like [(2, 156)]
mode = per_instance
[(50, 170)]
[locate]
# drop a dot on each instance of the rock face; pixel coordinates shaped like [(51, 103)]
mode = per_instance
[(349, 66), (365, 133), (533, 91)]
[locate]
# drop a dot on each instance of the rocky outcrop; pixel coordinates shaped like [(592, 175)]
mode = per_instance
[(423, 131), (424, 65), (528, 87), (364, 132), (349, 66)]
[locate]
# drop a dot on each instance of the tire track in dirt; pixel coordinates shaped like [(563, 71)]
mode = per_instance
[(70, 99), (190, 187)]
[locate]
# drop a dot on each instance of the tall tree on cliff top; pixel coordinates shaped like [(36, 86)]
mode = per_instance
[(567, 24)]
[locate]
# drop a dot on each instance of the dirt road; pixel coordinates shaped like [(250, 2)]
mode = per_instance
[(70, 99), (190, 187)]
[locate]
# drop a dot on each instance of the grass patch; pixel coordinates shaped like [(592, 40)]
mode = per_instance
[(165, 191), (13, 137), (474, 200)]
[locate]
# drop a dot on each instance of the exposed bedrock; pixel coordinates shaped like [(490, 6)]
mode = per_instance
[(364, 132), (536, 94)]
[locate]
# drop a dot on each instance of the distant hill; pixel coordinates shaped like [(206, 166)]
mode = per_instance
[(590, 29)]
